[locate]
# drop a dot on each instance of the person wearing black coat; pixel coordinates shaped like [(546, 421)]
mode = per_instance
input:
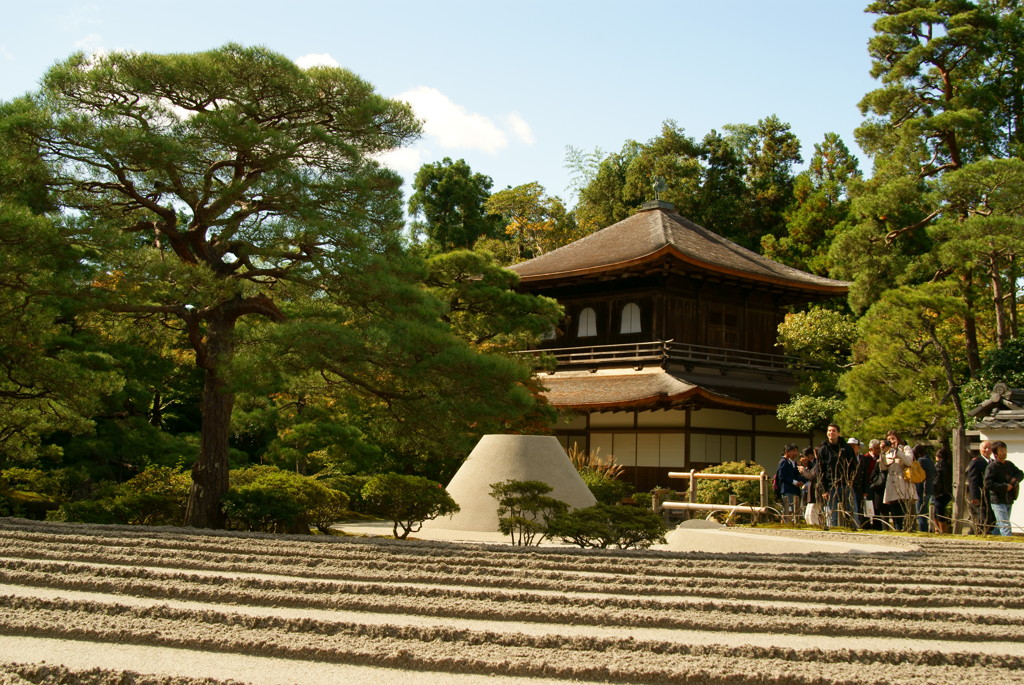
[(837, 466), (976, 494), (942, 488), (790, 482), (1002, 480), (926, 488), (876, 484)]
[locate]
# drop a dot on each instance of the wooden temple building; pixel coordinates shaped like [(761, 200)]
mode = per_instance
[(666, 358)]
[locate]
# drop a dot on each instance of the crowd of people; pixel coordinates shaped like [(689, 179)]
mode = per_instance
[(892, 486)]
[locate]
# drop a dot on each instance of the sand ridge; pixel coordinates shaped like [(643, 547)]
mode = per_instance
[(314, 608)]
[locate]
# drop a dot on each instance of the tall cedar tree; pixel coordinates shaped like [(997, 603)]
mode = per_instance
[(929, 239), (450, 198)]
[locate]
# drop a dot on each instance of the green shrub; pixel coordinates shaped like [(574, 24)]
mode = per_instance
[(718, 491), (106, 510), (604, 525), (155, 497), (605, 488), (525, 509), (642, 500), (407, 501), (28, 493), (268, 499), (325, 507), (351, 486)]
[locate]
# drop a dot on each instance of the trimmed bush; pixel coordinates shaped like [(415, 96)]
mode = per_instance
[(28, 493), (642, 500), (155, 497), (606, 489), (718, 491), (351, 486), (268, 499), (607, 525), (524, 509), (407, 501)]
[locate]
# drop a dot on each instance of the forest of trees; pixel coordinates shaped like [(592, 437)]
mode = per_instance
[(203, 267)]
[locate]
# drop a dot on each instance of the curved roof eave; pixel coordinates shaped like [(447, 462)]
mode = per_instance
[(658, 402), (840, 289)]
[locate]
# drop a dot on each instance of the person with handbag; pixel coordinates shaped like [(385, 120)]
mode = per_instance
[(900, 493)]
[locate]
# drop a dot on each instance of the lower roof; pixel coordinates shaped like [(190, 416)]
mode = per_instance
[(653, 389)]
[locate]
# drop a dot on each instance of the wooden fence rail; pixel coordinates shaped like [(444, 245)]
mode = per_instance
[(693, 505)]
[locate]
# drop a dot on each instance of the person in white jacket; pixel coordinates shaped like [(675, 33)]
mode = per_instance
[(900, 493)]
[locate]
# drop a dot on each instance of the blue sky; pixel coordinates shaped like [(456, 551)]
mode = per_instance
[(508, 85)]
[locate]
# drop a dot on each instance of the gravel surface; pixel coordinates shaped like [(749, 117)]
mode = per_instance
[(106, 604)]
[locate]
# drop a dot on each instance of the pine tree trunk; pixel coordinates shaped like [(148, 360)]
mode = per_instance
[(1011, 297), (971, 331), (999, 306), (971, 343), (959, 435), (210, 472), (959, 479), (156, 412)]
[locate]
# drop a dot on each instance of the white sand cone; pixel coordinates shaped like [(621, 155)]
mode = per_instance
[(497, 458)]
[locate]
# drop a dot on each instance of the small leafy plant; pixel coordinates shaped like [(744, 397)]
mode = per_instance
[(525, 509), (609, 525)]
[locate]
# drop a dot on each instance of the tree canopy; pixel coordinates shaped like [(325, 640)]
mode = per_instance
[(737, 184), (232, 200), (451, 199)]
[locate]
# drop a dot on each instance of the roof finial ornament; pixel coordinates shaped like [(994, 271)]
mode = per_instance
[(659, 187)]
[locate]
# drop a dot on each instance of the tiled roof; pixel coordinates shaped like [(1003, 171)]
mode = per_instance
[(1002, 420), (654, 232), (654, 389), (1004, 409)]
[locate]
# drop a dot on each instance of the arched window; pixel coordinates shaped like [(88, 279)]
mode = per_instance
[(588, 323), (630, 318)]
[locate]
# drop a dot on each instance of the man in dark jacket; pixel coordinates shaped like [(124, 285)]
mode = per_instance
[(837, 466), (942, 488), (976, 494), (1002, 479), (861, 477)]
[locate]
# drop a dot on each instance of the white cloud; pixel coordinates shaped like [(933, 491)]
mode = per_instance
[(520, 128), (317, 60), (403, 160), (450, 124), (91, 44)]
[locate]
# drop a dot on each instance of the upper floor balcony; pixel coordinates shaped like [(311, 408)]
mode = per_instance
[(666, 354)]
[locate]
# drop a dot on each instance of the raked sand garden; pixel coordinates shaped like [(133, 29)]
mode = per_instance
[(98, 604)]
